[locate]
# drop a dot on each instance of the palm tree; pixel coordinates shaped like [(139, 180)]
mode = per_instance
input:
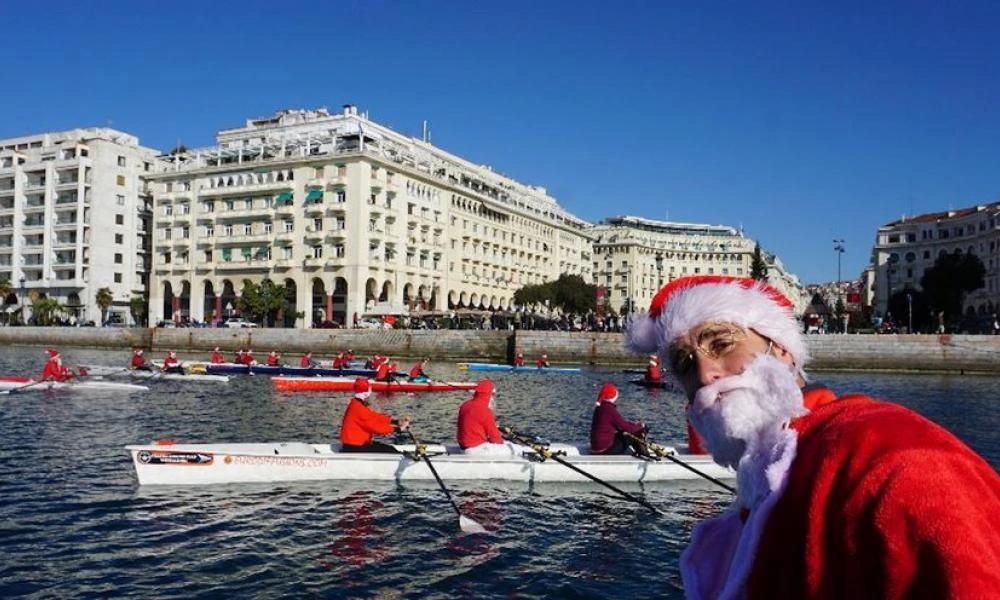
[(138, 307), (47, 310), (104, 300)]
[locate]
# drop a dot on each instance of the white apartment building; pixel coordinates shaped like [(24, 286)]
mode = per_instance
[(635, 257), (904, 249), (346, 213), (74, 219)]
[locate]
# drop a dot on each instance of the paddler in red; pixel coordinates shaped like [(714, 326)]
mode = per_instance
[(543, 361), (519, 359), (54, 369), (139, 361), (417, 373), (361, 423), (607, 425), (307, 361), (653, 374), (217, 357), (171, 364), (837, 497), (477, 424), (338, 361), (272, 359)]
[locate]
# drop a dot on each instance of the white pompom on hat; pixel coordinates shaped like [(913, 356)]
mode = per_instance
[(608, 393), (688, 302)]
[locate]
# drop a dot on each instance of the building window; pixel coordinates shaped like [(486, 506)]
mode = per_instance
[(208, 256), (118, 277), (118, 258), (341, 196), (166, 258), (268, 228), (227, 230), (286, 252), (209, 231), (121, 161), (317, 224), (119, 238), (338, 250), (317, 251), (289, 226), (248, 229), (119, 219), (121, 199), (121, 180)]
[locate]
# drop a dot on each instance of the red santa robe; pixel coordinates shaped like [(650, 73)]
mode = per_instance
[(860, 499)]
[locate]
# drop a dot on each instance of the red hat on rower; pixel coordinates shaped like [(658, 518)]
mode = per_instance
[(362, 388), (484, 389), (608, 393), (52, 353)]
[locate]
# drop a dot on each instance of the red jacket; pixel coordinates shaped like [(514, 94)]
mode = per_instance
[(138, 361), (217, 358), (476, 423), (878, 502), (518, 361), (56, 372), (361, 424), (382, 372), (653, 373), (417, 370), (272, 360), (306, 362), (169, 361)]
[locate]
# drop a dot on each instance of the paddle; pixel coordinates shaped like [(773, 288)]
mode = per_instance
[(464, 523), (662, 452), (547, 453)]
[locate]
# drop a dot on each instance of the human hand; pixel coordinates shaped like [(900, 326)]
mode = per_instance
[(404, 423)]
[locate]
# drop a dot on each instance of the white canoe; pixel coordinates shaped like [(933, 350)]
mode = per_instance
[(105, 371), (197, 464), (17, 387)]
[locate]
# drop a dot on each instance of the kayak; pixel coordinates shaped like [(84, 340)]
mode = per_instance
[(16, 385), (105, 371), (237, 369), (512, 368), (197, 464), (346, 384)]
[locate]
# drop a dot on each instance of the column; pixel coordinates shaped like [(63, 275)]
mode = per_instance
[(218, 307), (175, 309), (329, 307)]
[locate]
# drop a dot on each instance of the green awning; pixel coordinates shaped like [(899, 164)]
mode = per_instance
[(246, 252), (315, 196), (285, 197), (227, 254)]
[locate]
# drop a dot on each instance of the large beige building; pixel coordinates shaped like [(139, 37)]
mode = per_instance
[(904, 249), (346, 213), (634, 257), (74, 218)]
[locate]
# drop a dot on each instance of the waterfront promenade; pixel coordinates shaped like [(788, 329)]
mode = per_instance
[(923, 353)]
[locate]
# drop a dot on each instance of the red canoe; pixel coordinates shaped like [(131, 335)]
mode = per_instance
[(346, 384)]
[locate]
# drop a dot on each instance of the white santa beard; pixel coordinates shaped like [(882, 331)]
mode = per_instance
[(744, 414)]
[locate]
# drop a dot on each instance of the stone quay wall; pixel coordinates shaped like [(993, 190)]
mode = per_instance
[(944, 353)]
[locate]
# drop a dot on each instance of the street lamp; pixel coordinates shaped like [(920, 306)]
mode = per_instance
[(838, 247), (24, 291)]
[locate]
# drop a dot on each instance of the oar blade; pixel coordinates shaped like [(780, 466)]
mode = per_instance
[(467, 525)]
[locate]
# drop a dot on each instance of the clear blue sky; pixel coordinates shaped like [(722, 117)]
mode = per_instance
[(799, 122)]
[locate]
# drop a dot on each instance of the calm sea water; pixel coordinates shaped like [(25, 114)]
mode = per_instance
[(75, 524)]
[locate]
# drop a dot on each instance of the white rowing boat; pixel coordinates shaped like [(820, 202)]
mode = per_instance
[(10, 385), (197, 464), (105, 371)]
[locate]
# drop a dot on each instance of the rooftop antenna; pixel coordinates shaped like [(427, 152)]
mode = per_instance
[(425, 136)]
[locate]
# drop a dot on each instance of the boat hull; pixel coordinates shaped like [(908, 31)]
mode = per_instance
[(235, 369), (512, 368), (154, 375), (346, 384), (651, 384), (26, 384), (203, 464)]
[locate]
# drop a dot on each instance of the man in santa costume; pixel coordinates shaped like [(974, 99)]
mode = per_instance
[(837, 497)]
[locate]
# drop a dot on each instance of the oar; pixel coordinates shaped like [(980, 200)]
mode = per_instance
[(547, 453), (662, 452), (464, 523)]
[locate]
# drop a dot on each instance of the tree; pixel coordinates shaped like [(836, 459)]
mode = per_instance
[(916, 306), (261, 302), (179, 149), (951, 278), (569, 293), (104, 300), (137, 306), (758, 268), (47, 311)]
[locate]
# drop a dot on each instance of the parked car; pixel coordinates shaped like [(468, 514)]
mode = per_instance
[(239, 323)]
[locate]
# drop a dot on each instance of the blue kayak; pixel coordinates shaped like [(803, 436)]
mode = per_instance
[(235, 369), (524, 369)]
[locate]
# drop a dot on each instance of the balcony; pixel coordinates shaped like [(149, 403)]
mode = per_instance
[(312, 262), (33, 207), (169, 197), (182, 242), (243, 190), (312, 235), (335, 235), (206, 241), (243, 265), (336, 209), (242, 239), (284, 263)]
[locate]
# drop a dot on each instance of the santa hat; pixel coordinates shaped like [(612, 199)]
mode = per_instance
[(52, 353), (362, 389), (608, 393), (484, 390), (690, 301)]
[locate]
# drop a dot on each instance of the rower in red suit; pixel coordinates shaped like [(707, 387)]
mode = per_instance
[(171, 364), (543, 361), (54, 369), (272, 359), (519, 359), (217, 357)]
